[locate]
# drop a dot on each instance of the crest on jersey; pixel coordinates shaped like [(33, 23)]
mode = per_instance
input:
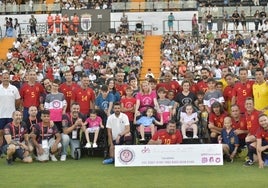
[(86, 22)]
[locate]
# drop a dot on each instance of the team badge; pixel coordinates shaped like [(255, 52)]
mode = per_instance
[(126, 155), (86, 22)]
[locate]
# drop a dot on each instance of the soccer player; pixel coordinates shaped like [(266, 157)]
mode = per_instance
[(9, 101), (84, 96), (167, 136), (260, 91), (46, 138), (67, 88), (120, 86), (16, 140), (71, 124), (239, 124), (228, 91), (262, 141), (169, 84), (30, 93), (202, 85), (242, 90)]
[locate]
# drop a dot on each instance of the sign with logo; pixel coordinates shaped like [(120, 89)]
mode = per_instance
[(90, 20), (169, 155)]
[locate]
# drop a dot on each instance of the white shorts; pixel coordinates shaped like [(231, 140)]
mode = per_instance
[(45, 155), (92, 129)]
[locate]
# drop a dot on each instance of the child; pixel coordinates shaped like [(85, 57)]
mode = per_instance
[(148, 121), (93, 123), (165, 105), (189, 119), (229, 140), (128, 105), (212, 95)]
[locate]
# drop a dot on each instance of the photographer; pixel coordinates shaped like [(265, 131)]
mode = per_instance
[(71, 124)]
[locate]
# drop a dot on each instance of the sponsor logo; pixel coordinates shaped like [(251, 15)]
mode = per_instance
[(86, 22)]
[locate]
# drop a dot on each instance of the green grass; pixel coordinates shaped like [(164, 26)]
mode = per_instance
[(90, 172)]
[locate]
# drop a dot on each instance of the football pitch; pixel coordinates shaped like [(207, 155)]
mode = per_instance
[(90, 172)]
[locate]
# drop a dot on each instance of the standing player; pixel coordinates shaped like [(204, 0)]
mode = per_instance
[(65, 24), (67, 88), (170, 84), (167, 136), (202, 85), (57, 23), (242, 90), (84, 96), (31, 93), (9, 101), (260, 91), (75, 23), (228, 91), (50, 23)]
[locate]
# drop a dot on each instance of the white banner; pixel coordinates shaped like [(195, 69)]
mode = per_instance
[(168, 155)]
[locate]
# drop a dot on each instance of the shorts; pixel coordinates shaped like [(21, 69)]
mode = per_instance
[(4, 121), (19, 153), (45, 155), (92, 129)]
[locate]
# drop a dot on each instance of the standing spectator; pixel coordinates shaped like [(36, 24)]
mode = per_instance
[(263, 16), (202, 85), (9, 102), (243, 20), (17, 28), (33, 23), (195, 26), (171, 19), (236, 19), (257, 20), (16, 140), (31, 93), (84, 96), (225, 20), (71, 125), (209, 21), (118, 128)]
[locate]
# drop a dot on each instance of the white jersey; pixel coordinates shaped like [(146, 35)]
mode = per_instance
[(8, 96), (117, 124)]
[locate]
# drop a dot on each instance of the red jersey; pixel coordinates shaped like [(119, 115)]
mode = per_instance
[(193, 88), (227, 93), (67, 90), (262, 134), (30, 95), (121, 88), (83, 97), (241, 124), (202, 86), (242, 91), (217, 120), (168, 138), (129, 103), (170, 86), (252, 121)]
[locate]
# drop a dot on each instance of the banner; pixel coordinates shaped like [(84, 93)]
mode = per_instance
[(169, 155), (89, 20)]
